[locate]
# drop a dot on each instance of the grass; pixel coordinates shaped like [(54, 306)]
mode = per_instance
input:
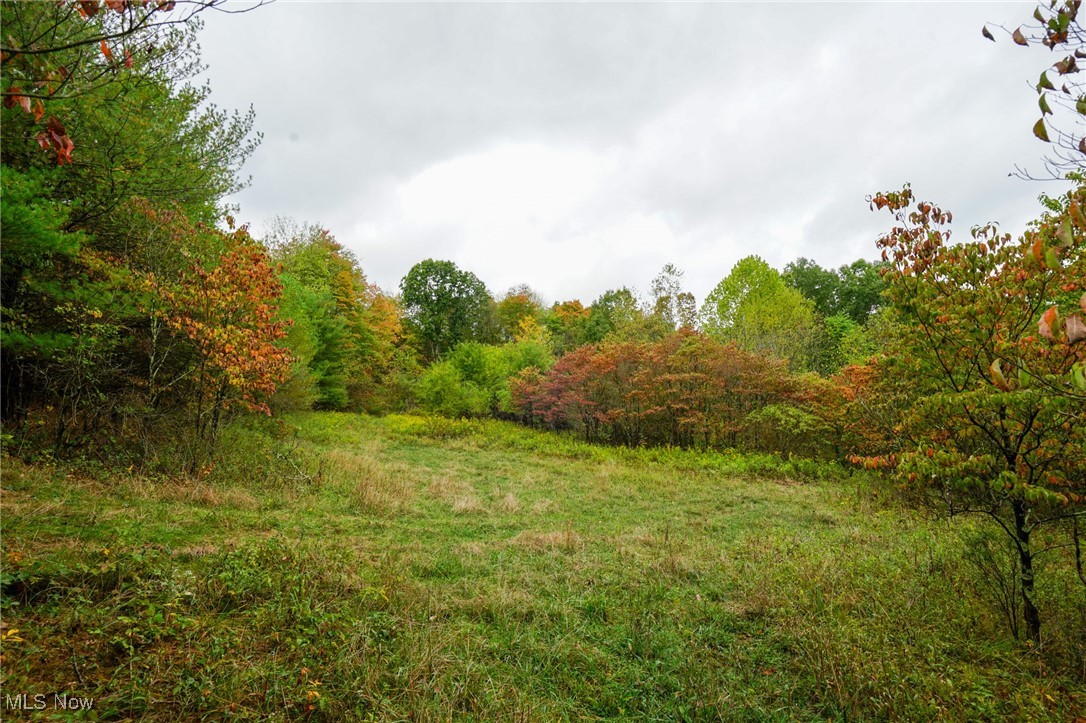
[(344, 567)]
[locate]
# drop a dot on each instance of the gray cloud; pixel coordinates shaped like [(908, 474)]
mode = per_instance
[(580, 147)]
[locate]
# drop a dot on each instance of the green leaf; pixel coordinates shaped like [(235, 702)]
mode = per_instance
[(1042, 101), (1080, 106), (1051, 259), (1040, 131), (1044, 83), (1065, 233)]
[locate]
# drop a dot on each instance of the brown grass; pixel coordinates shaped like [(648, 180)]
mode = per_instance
[(372, 484)]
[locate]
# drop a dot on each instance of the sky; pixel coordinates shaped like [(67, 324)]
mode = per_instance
[(579, 147)]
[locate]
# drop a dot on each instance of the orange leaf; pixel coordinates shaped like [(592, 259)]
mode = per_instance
[(106, 51), (1049, 324)]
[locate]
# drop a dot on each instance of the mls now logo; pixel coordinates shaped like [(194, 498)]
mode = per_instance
[(39, 701)]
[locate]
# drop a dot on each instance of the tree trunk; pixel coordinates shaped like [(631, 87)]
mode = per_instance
[(1030, 612)]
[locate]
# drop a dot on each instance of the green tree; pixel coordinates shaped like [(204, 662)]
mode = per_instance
[(859, 291), (754, 308), (820, 285), (444, 306)]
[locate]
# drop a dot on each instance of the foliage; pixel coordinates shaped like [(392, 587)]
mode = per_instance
[(617, 316), (355, 328), (474, 380), (756, 310), (519, 304), (1063, 110), (443, 306), (229, 315), (567, 324), (998, 429), (675, 308), (686, 390)]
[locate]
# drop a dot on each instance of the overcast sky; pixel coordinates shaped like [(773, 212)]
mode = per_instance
[(580, 147)]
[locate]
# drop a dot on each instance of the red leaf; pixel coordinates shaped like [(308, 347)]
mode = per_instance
[(39, 109), (106, 51), (127, 58), (88, 8)]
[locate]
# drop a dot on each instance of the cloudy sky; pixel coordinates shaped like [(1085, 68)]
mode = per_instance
[(579, 147)]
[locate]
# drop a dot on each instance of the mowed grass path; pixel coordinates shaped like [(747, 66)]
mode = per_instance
[(414, 569)]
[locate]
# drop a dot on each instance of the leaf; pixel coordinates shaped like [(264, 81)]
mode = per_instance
[(1018, 37), (1044, 83), (1076, 329), (1037, 15), (88, 8), (1078, 375), (1065, 233), (1040, 131), (1037, 250), (106, 51), (1066, 66), (1048, 326), (39, 109), (1042, 100), (997, 376), (1077, 216), (1052, 261), (127, 58), (985, 33), (1080, 106)]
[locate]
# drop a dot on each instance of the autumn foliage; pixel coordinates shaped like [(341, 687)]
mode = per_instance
[(686, 390)]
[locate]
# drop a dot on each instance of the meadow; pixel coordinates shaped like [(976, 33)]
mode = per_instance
[(335, 566)]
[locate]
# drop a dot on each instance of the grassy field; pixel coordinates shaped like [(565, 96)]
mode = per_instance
[(338, 567)]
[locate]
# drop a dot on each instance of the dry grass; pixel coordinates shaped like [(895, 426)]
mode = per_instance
[(508, 503), (467, 505), (373, 486), (449, 488)]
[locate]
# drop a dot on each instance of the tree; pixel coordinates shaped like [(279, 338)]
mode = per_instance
[(754, 308), (675, 307), (859, 291), (1000, 425), (617, 316), (519, 303), (229, 315), (444, 306), (567, 323), (854, 290), (1063, 109), (142, 132), (56, 52), (819, 285), (356, 327)]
